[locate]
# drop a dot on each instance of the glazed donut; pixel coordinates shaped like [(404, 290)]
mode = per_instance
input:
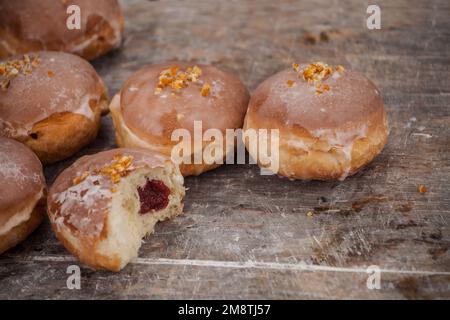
[(161, 98), (30, 25), (52, 102), (22, 193), (331, 121), (103, 205)]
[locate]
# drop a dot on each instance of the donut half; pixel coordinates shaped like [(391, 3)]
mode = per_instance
[(103, 205)]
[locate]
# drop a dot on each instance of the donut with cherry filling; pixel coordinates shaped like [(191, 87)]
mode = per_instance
[(103, 205)]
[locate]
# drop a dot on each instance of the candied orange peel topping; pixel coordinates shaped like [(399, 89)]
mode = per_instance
[(81, 178), (290, 83), (422, 189), (206, 89), (316, 73), (118, 168), (339, 68), (13, 68), (177, 79)]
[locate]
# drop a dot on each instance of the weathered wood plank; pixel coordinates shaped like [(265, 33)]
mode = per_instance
[(236, 219)]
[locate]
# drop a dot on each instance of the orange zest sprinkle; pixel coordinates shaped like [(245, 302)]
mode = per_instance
[(317, 73), (118, 169), (177, 79), (206, 89), (13, 68), (81, 178), (50, 73), (174, 71), (321, 88), (290, 83), (422, 189)]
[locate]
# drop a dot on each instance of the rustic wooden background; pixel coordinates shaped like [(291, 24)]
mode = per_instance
[(248, 236)]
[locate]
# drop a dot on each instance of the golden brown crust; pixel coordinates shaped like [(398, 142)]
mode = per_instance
[(102, 25), (62, 135), (86, 251), (23, 230), (322, 136)]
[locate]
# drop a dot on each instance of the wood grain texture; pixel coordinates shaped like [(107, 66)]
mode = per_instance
[(244, 235)]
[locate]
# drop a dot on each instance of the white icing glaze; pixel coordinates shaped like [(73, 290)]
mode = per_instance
[(342, 140), (339, 138), (12, 170), (85, 194), (21, 216), (85, 109), (298, 144)]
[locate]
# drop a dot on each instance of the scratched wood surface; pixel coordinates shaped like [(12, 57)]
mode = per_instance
[(244, 235)]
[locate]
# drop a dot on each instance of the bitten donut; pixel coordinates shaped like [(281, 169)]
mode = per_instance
[(30, 25), (103, 205), (331, 121), (161, 98), (52, 102), (22, 193)]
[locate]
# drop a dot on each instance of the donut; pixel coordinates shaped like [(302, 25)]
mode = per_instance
[(52, 102), (161, 98), (30, 25), (22, 193), (331, 121), (102, 206)]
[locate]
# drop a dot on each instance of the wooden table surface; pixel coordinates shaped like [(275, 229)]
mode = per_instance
[(244, 235)]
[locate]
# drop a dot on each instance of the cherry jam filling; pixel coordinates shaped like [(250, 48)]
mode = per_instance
[(154, 195)]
